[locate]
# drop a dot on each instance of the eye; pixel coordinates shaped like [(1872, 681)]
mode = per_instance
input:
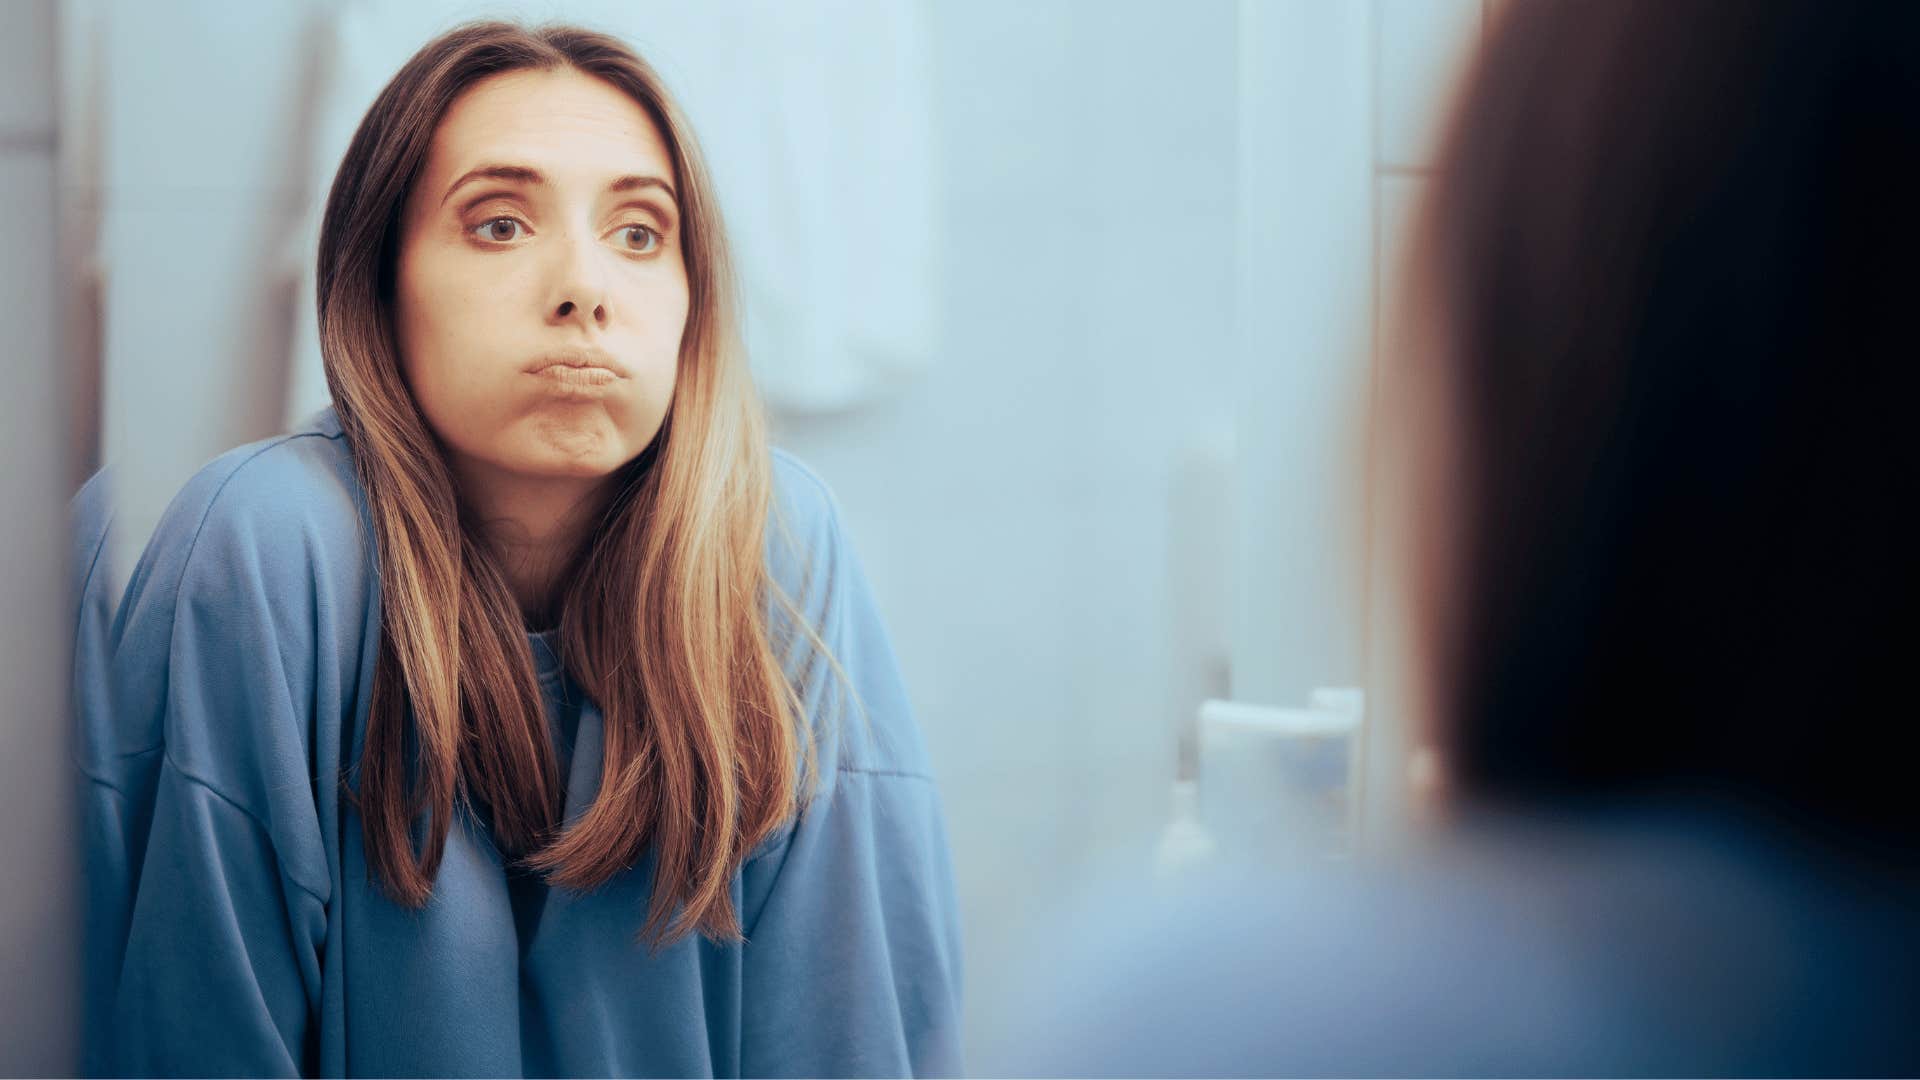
[(639, 239), (501, 230)]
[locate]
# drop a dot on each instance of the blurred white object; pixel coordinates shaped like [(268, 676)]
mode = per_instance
[(1280, 781), (816, 123), (1185, 844), (1350, 700), (1231, 720)]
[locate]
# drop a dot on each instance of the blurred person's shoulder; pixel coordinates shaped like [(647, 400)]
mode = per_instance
[(1311, 969), (1650, 945)]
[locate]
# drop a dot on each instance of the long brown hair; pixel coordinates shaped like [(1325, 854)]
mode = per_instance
[(666, 611), (1669, 254)]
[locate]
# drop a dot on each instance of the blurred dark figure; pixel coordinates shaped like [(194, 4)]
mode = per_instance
[(1670, 265), (1650, 441)]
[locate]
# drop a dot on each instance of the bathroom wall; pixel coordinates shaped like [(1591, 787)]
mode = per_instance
[(37, 928)]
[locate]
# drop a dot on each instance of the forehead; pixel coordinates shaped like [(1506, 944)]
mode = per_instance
[(559, 122)]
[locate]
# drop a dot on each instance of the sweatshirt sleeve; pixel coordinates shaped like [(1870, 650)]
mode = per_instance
[(214, 686), (852, 962)]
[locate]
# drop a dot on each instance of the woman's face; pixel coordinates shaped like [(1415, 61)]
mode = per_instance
[(541, 290)]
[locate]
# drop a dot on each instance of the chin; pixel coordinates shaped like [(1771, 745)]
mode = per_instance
[(562, 447), (572, 470), (602, 461)]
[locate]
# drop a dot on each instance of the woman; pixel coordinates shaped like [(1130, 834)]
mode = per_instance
[(522, 713), (1649, 429)]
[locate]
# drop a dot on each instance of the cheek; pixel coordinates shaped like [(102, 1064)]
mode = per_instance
[(659, 302), (449, 324), (659, 306)]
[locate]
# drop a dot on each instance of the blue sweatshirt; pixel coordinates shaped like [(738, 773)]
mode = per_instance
[(233, 926)]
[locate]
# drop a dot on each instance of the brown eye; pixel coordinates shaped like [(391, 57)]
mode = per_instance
[(639, 238), (500, 230)]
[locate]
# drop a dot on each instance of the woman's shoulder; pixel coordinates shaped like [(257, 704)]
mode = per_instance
[(815, 564), (805, 539), (241, 634), (803, 500), (276, 524), (284, 502), (303, 478)]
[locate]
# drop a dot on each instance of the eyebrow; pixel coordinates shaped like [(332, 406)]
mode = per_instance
[(521, 174)]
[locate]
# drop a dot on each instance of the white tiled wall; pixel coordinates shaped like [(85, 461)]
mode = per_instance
[(1340, 105), (203, 110), (1421, 48), (1303, 270)]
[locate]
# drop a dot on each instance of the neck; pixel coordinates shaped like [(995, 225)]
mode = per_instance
[(531, 524)]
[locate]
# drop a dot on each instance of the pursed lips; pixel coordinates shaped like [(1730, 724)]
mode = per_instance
[(578, 364)]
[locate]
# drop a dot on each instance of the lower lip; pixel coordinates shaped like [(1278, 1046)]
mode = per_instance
[(577, 378)]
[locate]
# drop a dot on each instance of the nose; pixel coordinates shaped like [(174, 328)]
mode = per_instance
[(566, 310), (579, 290)]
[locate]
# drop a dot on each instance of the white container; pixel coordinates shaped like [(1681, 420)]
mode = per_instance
[(1279, 782)]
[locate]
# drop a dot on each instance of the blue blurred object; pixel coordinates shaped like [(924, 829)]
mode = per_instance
[(1670, 940)]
